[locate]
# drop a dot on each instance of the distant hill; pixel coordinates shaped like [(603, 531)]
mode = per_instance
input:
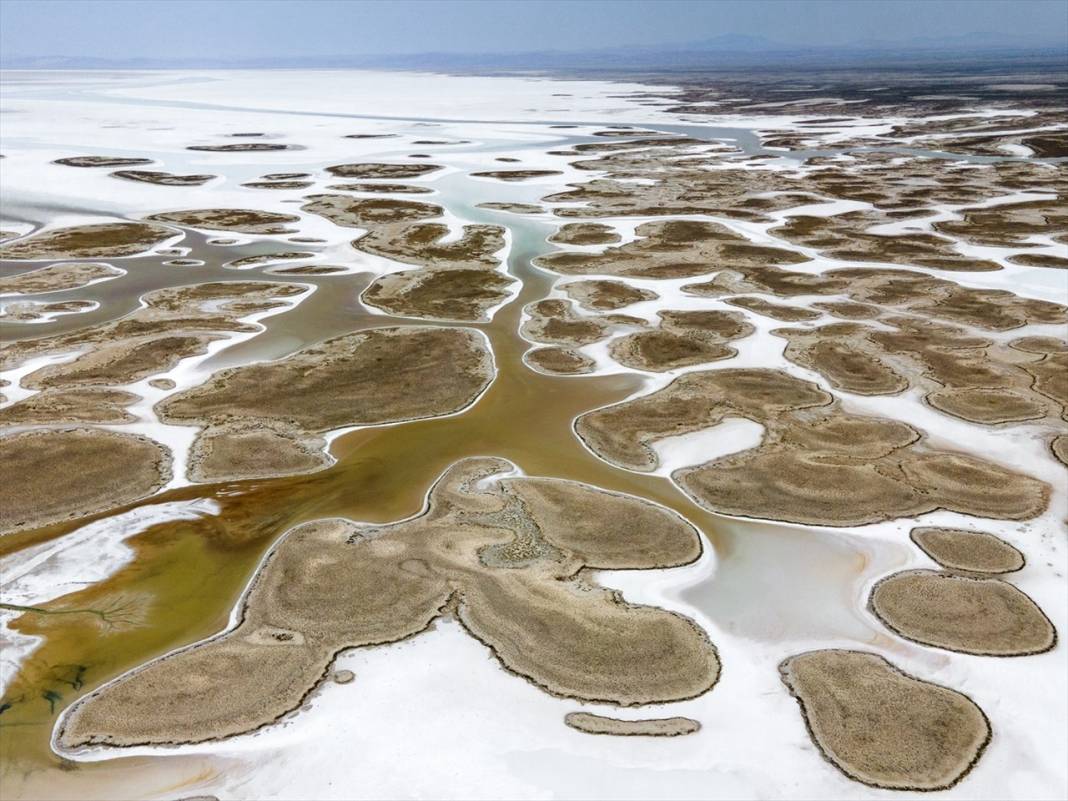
[(726, 51)]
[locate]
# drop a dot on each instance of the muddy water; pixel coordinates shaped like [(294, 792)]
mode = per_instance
[(186, 576)]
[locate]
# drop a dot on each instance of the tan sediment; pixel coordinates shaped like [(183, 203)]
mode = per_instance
[(254, 449), (57, 278), (585, 234), (559, 361), (354, 212), (246, 221), (1040, 260), (267, 258), (670, 249), (101, 161), (173, 322), (421, 244), (54, 475), (622, 434), (883, 727), (1041, 345), (554, 322), (308, 269), (665, 350), (920, 293), (963, 613), (382, 189), (28, 311), (443, 294), (964, 549), (721, 325), (844, 237), (380, 375), (277, 184), (243, 147), (988, 406), (343, 676), (848, 310), (660, 727), (163, 178), (1008, 224), (970, 377), (381, 170), (121, 362), (1059, 447), (777, 311), (1051, 378), (515, 175), (86, 405), (515, 208), (100, 241), (837, 353), (816, 464), (502, 555), (162, 383), (605, 295)]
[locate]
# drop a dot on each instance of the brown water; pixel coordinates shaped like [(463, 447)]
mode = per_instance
[(186, 576)]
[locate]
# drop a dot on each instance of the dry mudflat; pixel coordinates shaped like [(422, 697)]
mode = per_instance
[(57, 278)]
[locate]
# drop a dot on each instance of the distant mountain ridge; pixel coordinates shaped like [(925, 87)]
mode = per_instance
[(727, 50)]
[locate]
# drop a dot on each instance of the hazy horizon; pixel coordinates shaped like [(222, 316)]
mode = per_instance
[(265, 29)]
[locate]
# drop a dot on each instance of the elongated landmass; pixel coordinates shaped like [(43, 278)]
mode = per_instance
[(503, 554), (658, 727), (100, 241), (962, 549), (57, 278)]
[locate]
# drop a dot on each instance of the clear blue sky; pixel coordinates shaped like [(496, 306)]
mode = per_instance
[(255, 28)]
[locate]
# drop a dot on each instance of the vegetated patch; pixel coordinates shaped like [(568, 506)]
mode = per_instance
[(97, 470), (964, 549), (504, 555), (163, 178), (247, 221), (659, 727), (816, 465), (377, 169), (101, 161), (515, 175), (963, 613), (883, 727), (98, 241), (559, 361)]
